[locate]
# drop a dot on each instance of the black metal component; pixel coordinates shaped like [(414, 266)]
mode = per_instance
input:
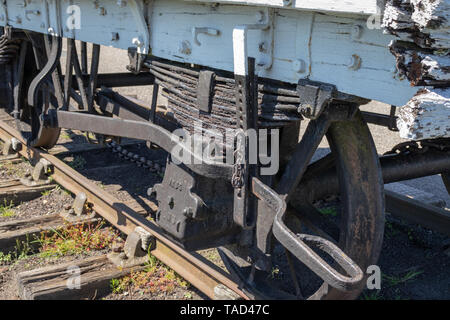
[(394, 168), (388, 121), (195, 210), (416, 212), (139, 130), (18, 81), (116, 80), (314, 97), (136, 60), (93, 76), (9, 46), (446, 180), (84, 59), (205, 90), (299, 245), (79, 74), (46, 72), (68, 74), (127, 108), (246, 119), (306, 148)]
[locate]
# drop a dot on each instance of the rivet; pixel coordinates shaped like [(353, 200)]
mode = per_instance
[(138, 42), (185, 47), (262, 47)]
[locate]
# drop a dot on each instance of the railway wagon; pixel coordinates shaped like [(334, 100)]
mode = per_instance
[(252, 88)]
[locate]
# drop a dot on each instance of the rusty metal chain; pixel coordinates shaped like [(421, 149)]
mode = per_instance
[(422, 146), (237, 179), (140, 161)]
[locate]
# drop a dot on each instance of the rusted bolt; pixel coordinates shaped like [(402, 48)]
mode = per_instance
[(185, 47), (299, 65), (354, 63)]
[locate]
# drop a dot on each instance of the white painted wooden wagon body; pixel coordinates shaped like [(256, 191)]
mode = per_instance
[(344, 43)]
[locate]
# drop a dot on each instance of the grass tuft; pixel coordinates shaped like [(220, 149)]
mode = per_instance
[(76, 239), (6, 210)]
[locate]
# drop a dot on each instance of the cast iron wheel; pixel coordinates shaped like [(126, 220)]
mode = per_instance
[(359, 231)]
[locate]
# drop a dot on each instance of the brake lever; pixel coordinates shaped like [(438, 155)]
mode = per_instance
[(300, 245)]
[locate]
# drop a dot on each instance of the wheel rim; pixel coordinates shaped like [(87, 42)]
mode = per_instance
[(362, 216)]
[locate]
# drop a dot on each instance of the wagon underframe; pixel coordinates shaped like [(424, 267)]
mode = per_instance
[(240, 67)]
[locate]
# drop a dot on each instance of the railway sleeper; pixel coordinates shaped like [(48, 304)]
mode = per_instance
[(16, 192), (81, 279), (21, 230)]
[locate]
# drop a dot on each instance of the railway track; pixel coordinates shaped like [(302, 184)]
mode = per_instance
[(123, 215)]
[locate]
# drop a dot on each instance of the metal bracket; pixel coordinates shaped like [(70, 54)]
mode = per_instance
[(205, 90), (300, 245), (39, 176), (240, 35), (314, 97), (136, 60), (80, 209), (205, 30), (246, 118), (135, 251), (142, 42)]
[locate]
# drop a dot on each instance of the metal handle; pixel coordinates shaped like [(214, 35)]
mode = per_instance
[(300, 245)]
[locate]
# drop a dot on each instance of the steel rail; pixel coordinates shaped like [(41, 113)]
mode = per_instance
[(203, 274)]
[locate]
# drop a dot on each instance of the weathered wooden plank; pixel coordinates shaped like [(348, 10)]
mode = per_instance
[(421, 50), (421, 68), (10, 158), (14, 191), (426, 116), (12, 231), (60, 281), (23, 229)]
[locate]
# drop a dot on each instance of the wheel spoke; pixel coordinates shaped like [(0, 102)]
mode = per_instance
[(303, 154), (314, 220), (319, 166), (298, 290)]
